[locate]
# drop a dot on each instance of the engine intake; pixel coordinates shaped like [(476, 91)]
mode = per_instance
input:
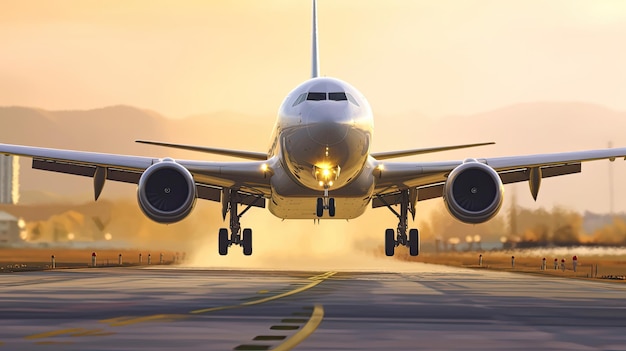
[(166, 192), (473, 192)]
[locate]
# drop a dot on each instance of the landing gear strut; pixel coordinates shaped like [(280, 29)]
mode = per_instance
[(230, 204), (411, 240), (325, 203)]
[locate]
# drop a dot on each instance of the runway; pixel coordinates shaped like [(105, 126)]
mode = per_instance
[(425, 308)]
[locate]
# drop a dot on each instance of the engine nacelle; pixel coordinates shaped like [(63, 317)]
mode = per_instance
[(473, 192), (166, 192)]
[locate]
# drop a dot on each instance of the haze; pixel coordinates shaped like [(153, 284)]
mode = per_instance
[(432, 58), (435, 73)]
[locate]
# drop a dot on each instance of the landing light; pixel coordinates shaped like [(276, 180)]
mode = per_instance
[(381, 167), (264, 167), (321, 183)]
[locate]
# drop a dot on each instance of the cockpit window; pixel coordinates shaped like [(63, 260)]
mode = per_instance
[(341, 96), (300, 99), (316, 96), (352, 99)]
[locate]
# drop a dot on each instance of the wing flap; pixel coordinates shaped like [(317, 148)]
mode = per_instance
[(436, 190), (118, 175), (209, 193), (522, 175)]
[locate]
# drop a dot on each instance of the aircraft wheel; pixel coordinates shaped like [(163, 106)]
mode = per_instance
[(246, 241), (414, 242), (223, 241), (331, 207), (320, 207), (390, 242)]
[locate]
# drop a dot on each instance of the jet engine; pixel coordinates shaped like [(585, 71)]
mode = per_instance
[(166, 192), (473, 192)]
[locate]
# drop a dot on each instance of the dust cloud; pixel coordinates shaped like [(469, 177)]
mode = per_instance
[(336, 245)]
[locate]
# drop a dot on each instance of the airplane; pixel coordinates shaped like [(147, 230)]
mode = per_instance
[(319, 166)]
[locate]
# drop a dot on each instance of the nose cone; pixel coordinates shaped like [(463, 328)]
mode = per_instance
[(327, 123)]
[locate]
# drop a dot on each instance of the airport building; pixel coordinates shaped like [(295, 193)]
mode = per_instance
[(9, 229), (9, 179)]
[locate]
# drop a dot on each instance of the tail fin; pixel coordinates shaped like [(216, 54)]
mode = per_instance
[(315, 68)]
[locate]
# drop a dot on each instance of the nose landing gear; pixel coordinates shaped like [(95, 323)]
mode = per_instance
[(325, 203)]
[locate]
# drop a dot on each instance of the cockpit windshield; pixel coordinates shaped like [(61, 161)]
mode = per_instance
[(337, 96), (316, 96), (320, 96)]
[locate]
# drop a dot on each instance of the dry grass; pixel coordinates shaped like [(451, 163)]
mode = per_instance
[(18, 259), (606, 266)]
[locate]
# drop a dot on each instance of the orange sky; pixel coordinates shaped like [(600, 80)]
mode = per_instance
[(429, 57)]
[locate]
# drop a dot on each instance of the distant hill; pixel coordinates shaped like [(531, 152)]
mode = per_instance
[(114, 130), (518, 129)]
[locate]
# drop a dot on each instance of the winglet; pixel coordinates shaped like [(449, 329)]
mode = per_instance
[(315, 68)]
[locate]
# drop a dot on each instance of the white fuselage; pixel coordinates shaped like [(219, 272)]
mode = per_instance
[(322, 141)]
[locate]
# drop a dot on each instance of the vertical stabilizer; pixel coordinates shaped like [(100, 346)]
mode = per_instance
[(315, 67)]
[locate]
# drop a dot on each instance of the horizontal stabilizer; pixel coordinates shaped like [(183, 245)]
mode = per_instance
[(403, 153), (250, 155)]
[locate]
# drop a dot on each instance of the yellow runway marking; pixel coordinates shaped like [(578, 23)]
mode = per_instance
[(213, 309), (305, 332), (114, 320), (56, 333), (124, 321), (285, 294), (322, 276), (54, 342), (93, 332), (316, 280), (156, 317)]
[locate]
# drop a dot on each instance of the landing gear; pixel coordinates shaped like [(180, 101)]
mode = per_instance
[(390, 242), (246, 242), (320, 207), (223, 241), (411, 240), (237, 236), (414, 242), (325, 203)]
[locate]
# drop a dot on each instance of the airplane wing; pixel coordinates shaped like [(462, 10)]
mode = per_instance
[(210, 177), (429, 177), (403, 153), (259, 156)]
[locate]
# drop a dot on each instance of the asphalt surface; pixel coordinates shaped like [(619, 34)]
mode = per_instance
[(423, 308)]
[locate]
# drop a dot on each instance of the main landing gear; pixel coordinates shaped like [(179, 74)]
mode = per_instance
[(399, 237), (325, 203), (243, 238)]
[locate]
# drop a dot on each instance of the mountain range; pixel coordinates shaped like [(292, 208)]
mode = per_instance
[(527, 128)]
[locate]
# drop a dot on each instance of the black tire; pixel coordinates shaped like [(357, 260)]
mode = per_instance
[(331, 207), (246, 241), (390, 242), (320, 207), (414, 242), (222, 241)]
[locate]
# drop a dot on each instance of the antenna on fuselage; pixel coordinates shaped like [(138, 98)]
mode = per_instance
[(315, 67)]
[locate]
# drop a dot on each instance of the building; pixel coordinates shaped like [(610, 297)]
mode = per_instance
[(9, 179), (9, 230)]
